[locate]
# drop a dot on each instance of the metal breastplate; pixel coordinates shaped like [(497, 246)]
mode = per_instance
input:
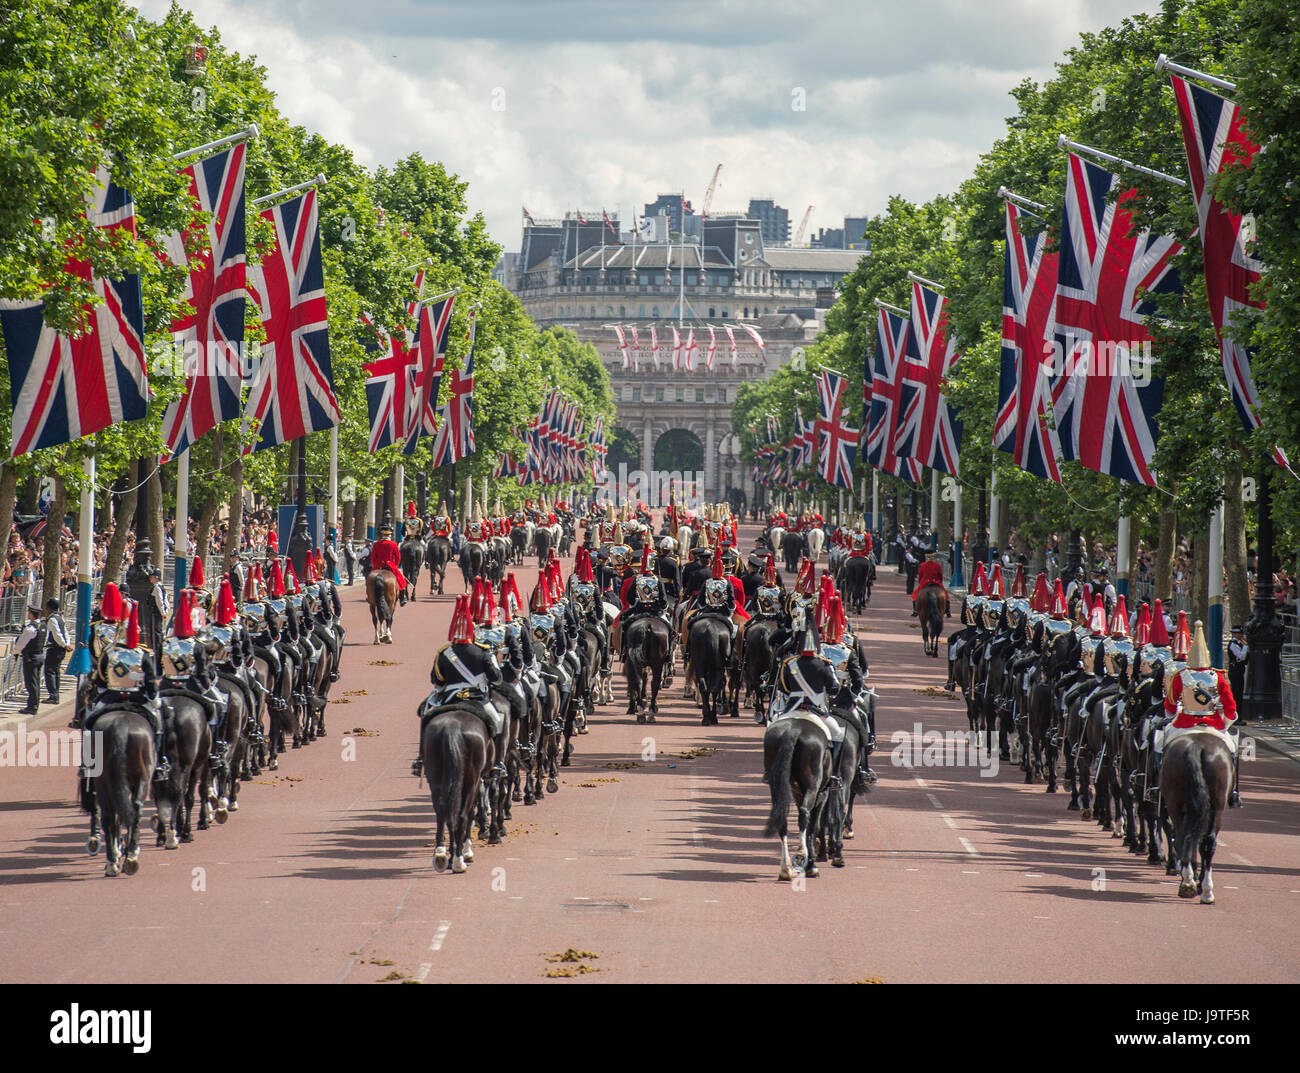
[(1200, 692), (1088, 652), (1118, 654), (219, 640), (124, 668), (178, 656), (838, 656)]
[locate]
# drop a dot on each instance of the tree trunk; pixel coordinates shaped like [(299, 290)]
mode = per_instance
[(348, 520), (8, 496), (231, 550), (1134, 540), (1234, 546), (1200, 590), (1165, 552), (155, 522), (121, 529), (208, 513), (52, 563), (359, 519)]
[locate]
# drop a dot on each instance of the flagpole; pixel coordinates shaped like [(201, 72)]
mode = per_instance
[(934, 510), (319, 180), (250, 131), (1163, 63), (1063, 142), (995, 509), (80, 662), (927, 282), (181, 578), (1122, 565), (1214, 625), (1024, 202), (957, 579), (331, 527)]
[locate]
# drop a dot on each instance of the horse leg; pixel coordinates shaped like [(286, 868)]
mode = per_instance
[(1206, 884)]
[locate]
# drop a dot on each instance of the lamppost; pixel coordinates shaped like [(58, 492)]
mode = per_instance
[(1264, 630), (300, 548)]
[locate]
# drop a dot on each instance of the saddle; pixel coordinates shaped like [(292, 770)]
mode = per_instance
[(803, 715), (473, 705)]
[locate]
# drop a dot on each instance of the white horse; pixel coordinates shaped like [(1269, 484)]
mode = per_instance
[(774, 536), (685, 536), (816, 538)]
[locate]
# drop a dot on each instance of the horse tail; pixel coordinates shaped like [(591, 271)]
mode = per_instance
[(778, 779), (1197, 822), (119, 787), (381, 597), (452, 765)]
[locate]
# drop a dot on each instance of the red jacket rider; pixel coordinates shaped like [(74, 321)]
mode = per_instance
[(385, 553)]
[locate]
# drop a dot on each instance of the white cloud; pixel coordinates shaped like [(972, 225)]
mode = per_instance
[(609, 102)]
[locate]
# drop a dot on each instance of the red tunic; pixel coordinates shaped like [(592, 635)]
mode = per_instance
[(929, 573), (1218, 720), (388, 554)]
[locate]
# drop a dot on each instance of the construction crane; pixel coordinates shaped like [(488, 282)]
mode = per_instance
[(708, 197), (803, 226)]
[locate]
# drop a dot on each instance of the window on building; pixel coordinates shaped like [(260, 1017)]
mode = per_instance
[(654, 311), (640, 311), (681, 394), (636, 393), (745, 316), (622, 311), (659, 394), (711, 312)]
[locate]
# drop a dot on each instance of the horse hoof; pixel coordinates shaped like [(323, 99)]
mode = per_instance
[(234, 806), (92, 845), (812, 871), (222, 814), (516, 796), (110, 871), (848, 835), (552, 787), (131, 865), (837, 862), (1073, 806), (1086, 814), (564, 762), (153, 823), (1186, 890), (458, 865), (1207, 898), (274, 765), (440, 859), (1050, 790), (1171, 869)]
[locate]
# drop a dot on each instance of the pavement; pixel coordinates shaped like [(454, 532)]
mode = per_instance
[(648, 865)]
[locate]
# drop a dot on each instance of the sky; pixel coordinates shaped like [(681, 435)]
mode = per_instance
[(603, 104)]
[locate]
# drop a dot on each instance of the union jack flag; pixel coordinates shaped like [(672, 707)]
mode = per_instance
[(837, 439), (1023, 427), (1215, 137), (455, 439), (65, 387), (928, 428), (1105, 414), (390, 385), (212, 331), (430, 348), (293, 388), (891, 345)]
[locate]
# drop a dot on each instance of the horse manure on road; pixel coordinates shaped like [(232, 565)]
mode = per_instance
[(934, 691), (623, 765), (355, 693), (571, 963), (569, 970), (362, 732), (572, 955), (395, 976), (868, 980), (694, 754), (384, 961), (385, 663), (594, 782)]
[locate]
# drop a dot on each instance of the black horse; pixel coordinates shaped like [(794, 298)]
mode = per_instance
[(1196, 777), (473, 559), (645, 654), (412, 558), (542, 543), (437, 554), (188, 744), (929, 609), (857, 575), (796, 767), (793, 547), (457, 750), (116, 794), (758, 663), (708, 646)]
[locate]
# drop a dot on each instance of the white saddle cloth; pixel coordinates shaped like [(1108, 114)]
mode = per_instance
[(829, 726), (1167, 734)]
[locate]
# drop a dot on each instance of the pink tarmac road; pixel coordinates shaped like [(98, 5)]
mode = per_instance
[(650, 857)]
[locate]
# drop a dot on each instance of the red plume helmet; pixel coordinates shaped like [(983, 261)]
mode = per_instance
[(540, 601), (272, 541), (196, 573), (111, 603), (462, 629), (1019, 583), (1142, 631), (583, 567), (292, 585), (1159, 631), (835, 621), (133, 628), (996, 590), (225, 603), (769, 571), (183, 625), (410, 509), (645, 558), (1042, 599), (1060, 609), (1119, 619), (1097, 622), (980, 585), (1182, 638), (277, 580), (718, 572)]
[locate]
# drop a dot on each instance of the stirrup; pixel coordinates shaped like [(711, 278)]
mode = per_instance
[(417, 767), (162, 771), (1152, 795)]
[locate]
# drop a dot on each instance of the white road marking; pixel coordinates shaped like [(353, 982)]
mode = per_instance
[(949, 821), (440, 935), (911, 869), (582, 898), (934, 801), (968, 872), (919, 781), (965, 844), (423, 971), (645, 899), (1245, 860)]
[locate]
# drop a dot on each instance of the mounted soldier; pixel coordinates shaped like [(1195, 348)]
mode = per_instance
[(386, 555)]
